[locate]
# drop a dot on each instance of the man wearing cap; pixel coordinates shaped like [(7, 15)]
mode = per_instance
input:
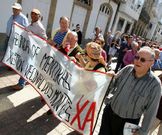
[(17, 16), (37, 28)]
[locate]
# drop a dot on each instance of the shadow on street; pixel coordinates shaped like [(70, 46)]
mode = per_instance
[(14, 120)]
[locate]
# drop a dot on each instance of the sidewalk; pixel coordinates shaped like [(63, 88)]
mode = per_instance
[(22, 113)]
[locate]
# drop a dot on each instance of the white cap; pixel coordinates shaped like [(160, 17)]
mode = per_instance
[(17, 6), (36, 11)]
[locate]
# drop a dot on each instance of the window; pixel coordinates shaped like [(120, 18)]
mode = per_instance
[(120, 24), (127, 28), (104, 9), (86, 2)]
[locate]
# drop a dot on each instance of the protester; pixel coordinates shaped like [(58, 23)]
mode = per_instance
[(18, 17), (124, 47), (37, 28), (137, 91), (95, 58), (130, 54), (113, 48), (109, 37), (79, 33), (158, 63), (96, 34), (61, 33), (70, 47), (101, 42)]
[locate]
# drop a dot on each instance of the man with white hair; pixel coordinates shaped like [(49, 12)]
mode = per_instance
[(70, 47), (137, 91)]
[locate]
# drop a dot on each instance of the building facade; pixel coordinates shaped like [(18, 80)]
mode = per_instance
[(114, 15), (128, 12)]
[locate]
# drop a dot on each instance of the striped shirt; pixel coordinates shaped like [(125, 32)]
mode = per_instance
[(134, 96), (58, 38)]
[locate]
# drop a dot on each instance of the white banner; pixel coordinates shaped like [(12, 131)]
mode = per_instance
[(72, 93)]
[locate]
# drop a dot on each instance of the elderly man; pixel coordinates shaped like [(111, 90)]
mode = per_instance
[(70, 47), (37, 28), (137, 92), (18, 17)]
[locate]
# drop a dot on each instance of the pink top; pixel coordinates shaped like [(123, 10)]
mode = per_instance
[(129, 57), (103, 53)]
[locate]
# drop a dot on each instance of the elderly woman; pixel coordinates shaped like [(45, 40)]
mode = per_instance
[(59, 35), (95, 58)]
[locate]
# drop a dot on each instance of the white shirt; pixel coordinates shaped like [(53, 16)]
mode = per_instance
[(38, 29)]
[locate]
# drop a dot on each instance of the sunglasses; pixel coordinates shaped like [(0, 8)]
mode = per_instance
[(143, 60)]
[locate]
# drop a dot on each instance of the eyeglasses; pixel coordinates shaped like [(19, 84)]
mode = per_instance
[(143, 60)]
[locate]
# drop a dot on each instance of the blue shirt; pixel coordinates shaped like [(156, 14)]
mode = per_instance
[(20, 19), (157, 65), (58, 38)]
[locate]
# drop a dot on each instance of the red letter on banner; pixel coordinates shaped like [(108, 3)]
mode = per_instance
[(89, 116)]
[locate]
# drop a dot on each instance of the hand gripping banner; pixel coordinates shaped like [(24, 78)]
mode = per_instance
[(73, 94)]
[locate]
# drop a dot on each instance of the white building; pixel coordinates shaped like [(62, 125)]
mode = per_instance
[(88, 13), (154, 22), (107, 14), (128, 13)]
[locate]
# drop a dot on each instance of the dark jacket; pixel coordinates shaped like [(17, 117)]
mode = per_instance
[(159, 113), (76, 50)]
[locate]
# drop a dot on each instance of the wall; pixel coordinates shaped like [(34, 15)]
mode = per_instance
[(42, 5), (63, 8), (6, 12), (94, 13)]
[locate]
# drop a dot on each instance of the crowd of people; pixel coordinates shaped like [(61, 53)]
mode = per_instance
[(136, 89)]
